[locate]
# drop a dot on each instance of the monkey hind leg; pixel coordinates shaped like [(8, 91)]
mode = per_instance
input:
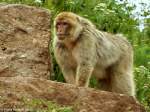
[(122, 83), (118, 81), (122, 80)]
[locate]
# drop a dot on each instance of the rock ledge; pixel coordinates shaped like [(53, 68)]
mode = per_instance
[(13, 89)]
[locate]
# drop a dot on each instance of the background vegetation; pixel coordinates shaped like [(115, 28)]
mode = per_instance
[(114, 17)]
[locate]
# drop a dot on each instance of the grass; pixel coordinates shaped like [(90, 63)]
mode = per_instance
[(40, 105)]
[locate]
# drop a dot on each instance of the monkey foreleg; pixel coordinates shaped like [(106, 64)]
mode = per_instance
[(83, 75)]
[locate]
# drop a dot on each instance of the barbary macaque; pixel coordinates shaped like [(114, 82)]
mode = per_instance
[(83, 51)]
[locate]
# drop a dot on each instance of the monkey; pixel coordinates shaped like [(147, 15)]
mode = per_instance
[(82, 51)]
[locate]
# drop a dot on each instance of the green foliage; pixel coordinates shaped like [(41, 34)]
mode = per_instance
[(40, 105), (146, 31), (107, 14), (142, 79), (142, 55)]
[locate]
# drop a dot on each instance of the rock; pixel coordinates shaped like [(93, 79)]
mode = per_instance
[(14, 89), (24, 37)]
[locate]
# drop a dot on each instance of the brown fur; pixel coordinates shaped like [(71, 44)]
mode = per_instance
[(88, 51)]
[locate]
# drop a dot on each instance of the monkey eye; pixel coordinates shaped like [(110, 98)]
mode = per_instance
[(64, 23), (58, 23), (61, 23)]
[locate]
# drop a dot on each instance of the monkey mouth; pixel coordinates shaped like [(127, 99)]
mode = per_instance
[(62, 36)]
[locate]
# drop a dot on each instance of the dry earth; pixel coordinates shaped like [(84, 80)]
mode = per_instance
[(24, 37)]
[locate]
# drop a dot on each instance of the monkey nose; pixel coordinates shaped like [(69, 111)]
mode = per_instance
[(60, 31)]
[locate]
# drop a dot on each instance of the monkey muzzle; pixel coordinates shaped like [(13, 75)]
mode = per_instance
[(62, 36)]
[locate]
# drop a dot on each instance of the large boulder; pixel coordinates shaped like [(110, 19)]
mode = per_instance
[(14, 89), (24, 37)]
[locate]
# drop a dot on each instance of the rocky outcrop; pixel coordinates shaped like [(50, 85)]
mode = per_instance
[(14, 89), (24, 37)]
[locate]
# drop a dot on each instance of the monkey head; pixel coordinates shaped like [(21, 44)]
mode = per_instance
[(67, 26)]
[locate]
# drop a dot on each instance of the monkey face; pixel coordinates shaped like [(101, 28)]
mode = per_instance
[(62, 29), (67, 26)]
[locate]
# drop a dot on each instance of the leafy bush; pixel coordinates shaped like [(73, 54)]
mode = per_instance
[(142, 79), (142, 55)]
